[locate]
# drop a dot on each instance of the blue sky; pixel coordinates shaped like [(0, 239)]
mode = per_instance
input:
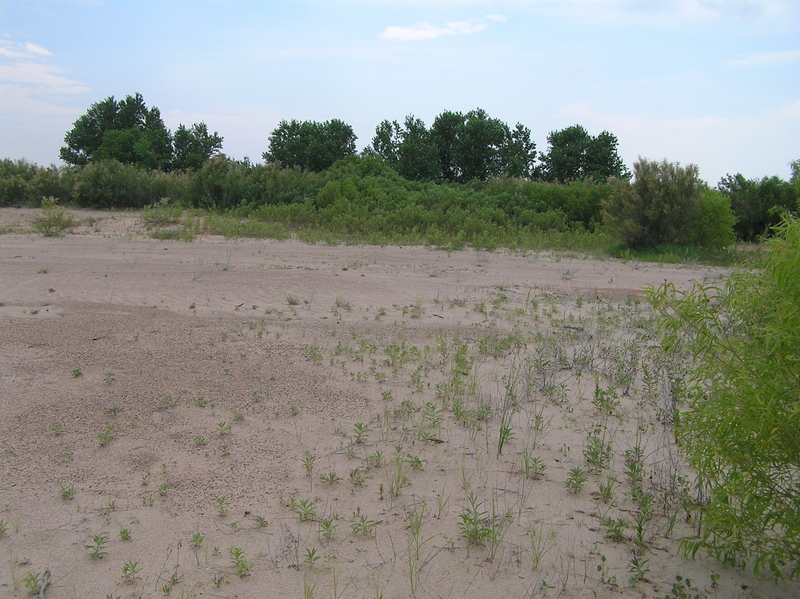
[(710, 82)]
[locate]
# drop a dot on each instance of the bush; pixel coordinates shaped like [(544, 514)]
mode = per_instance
[(54, 218), (666, 203), (110, 184), (741, 430)]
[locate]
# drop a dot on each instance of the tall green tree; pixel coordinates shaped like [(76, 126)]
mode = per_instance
[(758, 204), (124, 130), (310, 145), (193, 146), (477, 146), (409, 148), (575, 155)]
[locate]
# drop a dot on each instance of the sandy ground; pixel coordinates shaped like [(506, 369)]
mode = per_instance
[(275, 419)]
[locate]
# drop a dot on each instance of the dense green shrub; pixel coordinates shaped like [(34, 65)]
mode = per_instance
[(110, 184), (740, 433), (757, 204), (15, 178), (665, 204)]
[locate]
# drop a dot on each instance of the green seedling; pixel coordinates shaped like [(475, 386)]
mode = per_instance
[(125, 534), (106, 436), (327, 529), (96, 546), (310, 557), (360, 432), (363, 526), (329, 478), (222, 504), (130, 572), (473, 521), (308, 462), (306, 509), (240, 562), (67, 493), (75, 373), (577, 478)]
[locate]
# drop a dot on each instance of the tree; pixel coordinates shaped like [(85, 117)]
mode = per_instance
[(476, 146), (126, 131), (664, 204), (310, 145), (742, 343), (408, 149), (757, 204), (574, 155), (194, 146)]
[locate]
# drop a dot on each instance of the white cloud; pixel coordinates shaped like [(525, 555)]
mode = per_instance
[(37, 50), (41, 76), (767, 58), (426, 31)]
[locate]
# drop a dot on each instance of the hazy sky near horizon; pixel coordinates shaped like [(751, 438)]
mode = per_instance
[(710, 82)]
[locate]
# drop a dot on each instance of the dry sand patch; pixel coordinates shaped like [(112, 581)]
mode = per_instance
[(186, 389)]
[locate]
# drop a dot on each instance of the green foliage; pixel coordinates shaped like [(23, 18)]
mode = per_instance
[(126, 131), (757, 204), (666, 203), (310, 145), (193, 146), (740, 433), (111, 184), (575, 155), (54, 218)]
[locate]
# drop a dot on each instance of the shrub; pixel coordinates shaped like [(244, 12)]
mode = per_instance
[(740, 432), (665, 203), (111, 184)]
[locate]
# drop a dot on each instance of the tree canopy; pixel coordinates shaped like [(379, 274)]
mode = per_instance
[(310, 145), (575, 155), (131, 133)]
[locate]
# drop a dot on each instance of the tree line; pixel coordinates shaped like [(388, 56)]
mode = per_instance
[(120, 155)]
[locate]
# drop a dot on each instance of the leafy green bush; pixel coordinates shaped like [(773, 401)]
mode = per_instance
[(54, 218), (666, 203), (111, 184), (740, 433)]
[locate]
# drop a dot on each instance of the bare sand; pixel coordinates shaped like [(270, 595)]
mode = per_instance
[(196, 395)]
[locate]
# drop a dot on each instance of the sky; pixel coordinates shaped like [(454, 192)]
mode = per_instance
[(710, 82)]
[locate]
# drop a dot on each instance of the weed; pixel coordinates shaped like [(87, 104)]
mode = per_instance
[(202, 402), (577, 478), (357, 478), (224, 428), (360, 432), (222, 504), (541, 542), (638, 570), (363, 526), (67, 493), (292, 300), (614, 529), (199, 440), (605, 491), (109, 378), (682, 589), (125, 534), (197, 539), (33, 582), (224, 449), (106, 436), (327, 529), (308, 462), (57, 429), (260, 521), (240, 562), (112, 410), (130, 572), (310, 557), (96, 546), (329, 478), (473, 521), (306, 509), (532, 466), (54, 218), (76, 372), (3, 528)]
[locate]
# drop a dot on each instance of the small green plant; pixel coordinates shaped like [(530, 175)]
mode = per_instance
[(57, 429), (54, 218), (224, 428), (163, 488), (76, 372), (240, 562), (96, 546), (532, 466), (260, 521), (605, 491), (363, 526), (3, 528), (306, 509), (638, 570), (34, 582), (329, 478), (292, 300), (682, 589), (308, 460), (130, 572), (125, 534), (360, 432), (575, 481), (197, 539), (202, 402), (109, 378), (67, 493), (327, 529), (108, 435), (614, 530), (357, 477), (310, 557), (224, 449), (222, 504), (199, 440), (112, 410), (473, 521)]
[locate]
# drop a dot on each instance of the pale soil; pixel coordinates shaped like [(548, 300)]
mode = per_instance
[(152, 326)]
